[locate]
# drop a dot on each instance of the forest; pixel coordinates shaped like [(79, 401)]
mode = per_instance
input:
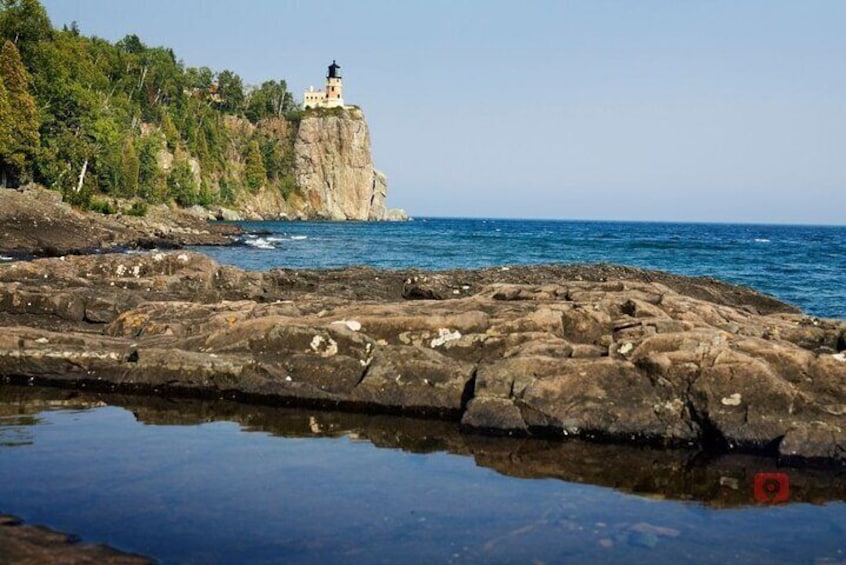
[(101, 121)]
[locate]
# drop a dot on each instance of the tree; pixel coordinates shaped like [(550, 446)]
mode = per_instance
[(25, 23), (270, 99), (149, 174), (254, 172), (169, 129), (131, 168), (230, 89), (181, 183), (25, 141), (200, 78), (6, 127), (131, 44)]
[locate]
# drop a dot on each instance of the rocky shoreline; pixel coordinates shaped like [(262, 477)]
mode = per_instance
[(34, 222), (599, 352), (23, 543)]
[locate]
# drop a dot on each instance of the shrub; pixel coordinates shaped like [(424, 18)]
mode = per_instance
[(102, 206), (138, 209)]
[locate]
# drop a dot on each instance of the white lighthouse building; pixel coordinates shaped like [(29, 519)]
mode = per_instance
[(332, 97)]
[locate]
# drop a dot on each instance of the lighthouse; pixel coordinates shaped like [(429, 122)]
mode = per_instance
[(332, 97)]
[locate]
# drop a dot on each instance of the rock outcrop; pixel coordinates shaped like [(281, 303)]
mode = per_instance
[(594, 351), (334, 167), (22, 543), (35, 221)]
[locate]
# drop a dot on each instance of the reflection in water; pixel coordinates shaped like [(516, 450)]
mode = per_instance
[(191, 486), (724, 481)]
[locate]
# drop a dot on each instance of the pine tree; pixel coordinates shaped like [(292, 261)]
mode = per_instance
[(6, 128), (255, 172), (18, 160), (131, 166), (169, 129)]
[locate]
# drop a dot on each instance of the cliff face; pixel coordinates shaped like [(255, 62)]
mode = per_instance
[(334, 168), (326, 156)]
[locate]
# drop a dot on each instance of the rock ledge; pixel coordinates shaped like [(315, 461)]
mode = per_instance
[(598, 351)]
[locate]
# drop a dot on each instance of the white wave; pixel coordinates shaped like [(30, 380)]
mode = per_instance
[(6, 258), (259, 243), (761, 240), (299, 237)]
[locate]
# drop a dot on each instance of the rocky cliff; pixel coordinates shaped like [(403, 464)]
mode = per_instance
[(334, 168), (329, 161)]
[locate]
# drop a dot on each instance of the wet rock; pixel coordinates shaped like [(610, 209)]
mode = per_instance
[(22, 543)]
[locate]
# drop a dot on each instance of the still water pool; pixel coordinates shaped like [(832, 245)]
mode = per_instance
[(217, 482)]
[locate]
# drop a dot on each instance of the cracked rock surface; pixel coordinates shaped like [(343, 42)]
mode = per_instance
[(595, 351)]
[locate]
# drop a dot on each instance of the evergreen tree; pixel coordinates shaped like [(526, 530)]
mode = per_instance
[(25, 140), (131, 168), (181, 183), (6, 125), (169, 130), (90, 118), (230, 89), (254, 172), (149, 176), (25, 22)]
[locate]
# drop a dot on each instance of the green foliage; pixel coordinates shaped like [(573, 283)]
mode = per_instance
[(227, 191), (138, 208), (17, 153), (71, 104), (230, 91), (102, 206), (270, 99), (7, 125), (131, 168), (255, 172), (321, 112), (169, 129), (25, 23), (181, 184), (206, 197), (288, 186), (150, 177)]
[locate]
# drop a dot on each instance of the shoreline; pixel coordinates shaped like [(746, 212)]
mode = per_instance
[(26, 543)]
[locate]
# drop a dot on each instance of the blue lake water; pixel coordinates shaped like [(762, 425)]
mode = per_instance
[(802, 265), (191, 482)]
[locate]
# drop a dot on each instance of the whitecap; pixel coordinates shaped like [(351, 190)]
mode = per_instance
[(259, 243), (761, 240), (6, 258), (299, 237)]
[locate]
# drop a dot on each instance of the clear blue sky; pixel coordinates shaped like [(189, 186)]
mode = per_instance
[(672, 110)]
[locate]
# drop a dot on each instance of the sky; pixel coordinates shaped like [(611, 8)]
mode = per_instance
[(707, 111)]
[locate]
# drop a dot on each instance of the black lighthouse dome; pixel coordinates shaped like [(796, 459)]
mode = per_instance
[(334, 70)]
